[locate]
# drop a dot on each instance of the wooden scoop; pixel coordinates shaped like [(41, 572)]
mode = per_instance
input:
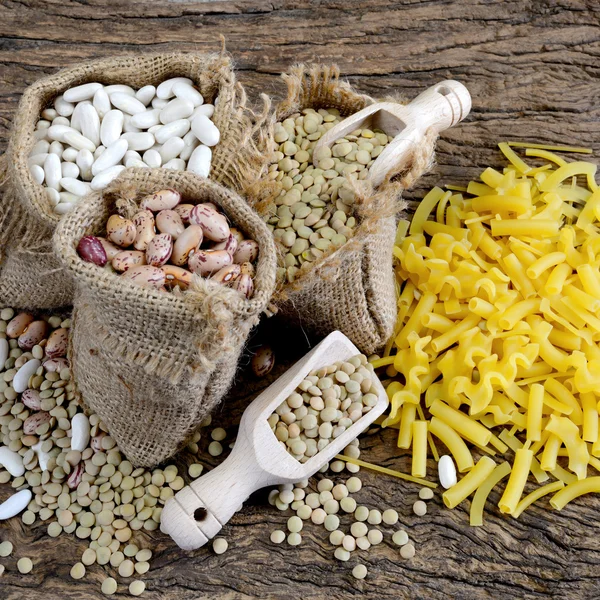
[(197, 512), (439, 107)]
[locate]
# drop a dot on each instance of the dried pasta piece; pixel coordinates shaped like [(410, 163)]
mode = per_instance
[(483, 491)]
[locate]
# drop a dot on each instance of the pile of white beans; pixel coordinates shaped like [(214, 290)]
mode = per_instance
[(93, 132)]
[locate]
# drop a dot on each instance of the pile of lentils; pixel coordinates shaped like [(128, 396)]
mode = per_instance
[(65, 468), (323, 406), (314, 212)]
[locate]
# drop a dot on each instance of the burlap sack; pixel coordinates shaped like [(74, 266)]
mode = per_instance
[(153, 363), (30, 275), (351, 289)]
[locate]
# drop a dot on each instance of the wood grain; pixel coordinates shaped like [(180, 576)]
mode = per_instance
[(533, 70)]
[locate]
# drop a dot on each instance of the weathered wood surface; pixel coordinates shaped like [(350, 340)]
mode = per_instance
[(532, 68)]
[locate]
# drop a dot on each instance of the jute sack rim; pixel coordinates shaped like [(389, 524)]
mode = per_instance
[(82, 220), (224, 306), (372, 205), (105, 70)]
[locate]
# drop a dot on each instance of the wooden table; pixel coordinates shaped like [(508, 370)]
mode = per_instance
[(532, 69)]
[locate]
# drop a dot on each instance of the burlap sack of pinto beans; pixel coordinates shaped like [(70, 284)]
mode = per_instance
[(154, 363), (350, 288), (30, 274)]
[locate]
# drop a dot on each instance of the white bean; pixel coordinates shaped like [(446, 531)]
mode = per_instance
[(68, 197), (85, 160), (171, 148), (139, 141), (76, 116), (38, 160), (81, 92), (63, 208), (41, 147), (61, 121), (176, 109), (90, 124), (70, 154), (98, 151), (53, 196), (119, 88), (78, 141), (69, 169), (187, 92), (165, 90), (56, 148), (110, 157), (205, 109), (153, 158), (63, 107), (128, 127), (446, 471), (37, 173), (127, 103), (79, 188), (199, 161), (52, 171), (11, 461), (132, 154), (112, 127), (49, 113), (145, 94), (15, 504), (43, 457), (101, 103), (103, 179), (205, 130), (146, 119), (174, 129), (158, 103), (57, 132), (177, 164), (80, 432)]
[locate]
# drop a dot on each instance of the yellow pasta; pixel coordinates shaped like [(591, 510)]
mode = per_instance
[(573, 490), (461, 423), (516, 482), (459, 450), (534, 413), (528, 500), (419, 448), (533, 227), (469, 483), (483, 491), (407, 418), (568, 433), (497, 342)]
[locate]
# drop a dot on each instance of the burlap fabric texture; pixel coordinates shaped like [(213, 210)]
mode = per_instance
[(154, 363), (30, 275), (351, 289)]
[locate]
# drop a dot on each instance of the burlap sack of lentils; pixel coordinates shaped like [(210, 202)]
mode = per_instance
[(30, 275), (351, 289), (152, 363)]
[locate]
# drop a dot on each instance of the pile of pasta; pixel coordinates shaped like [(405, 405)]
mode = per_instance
[(497, 334)]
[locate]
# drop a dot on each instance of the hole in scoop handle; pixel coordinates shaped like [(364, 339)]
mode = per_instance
[(198, 512), (441, 106)]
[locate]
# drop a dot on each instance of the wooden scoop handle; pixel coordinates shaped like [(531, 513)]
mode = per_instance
[(439, 107)]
